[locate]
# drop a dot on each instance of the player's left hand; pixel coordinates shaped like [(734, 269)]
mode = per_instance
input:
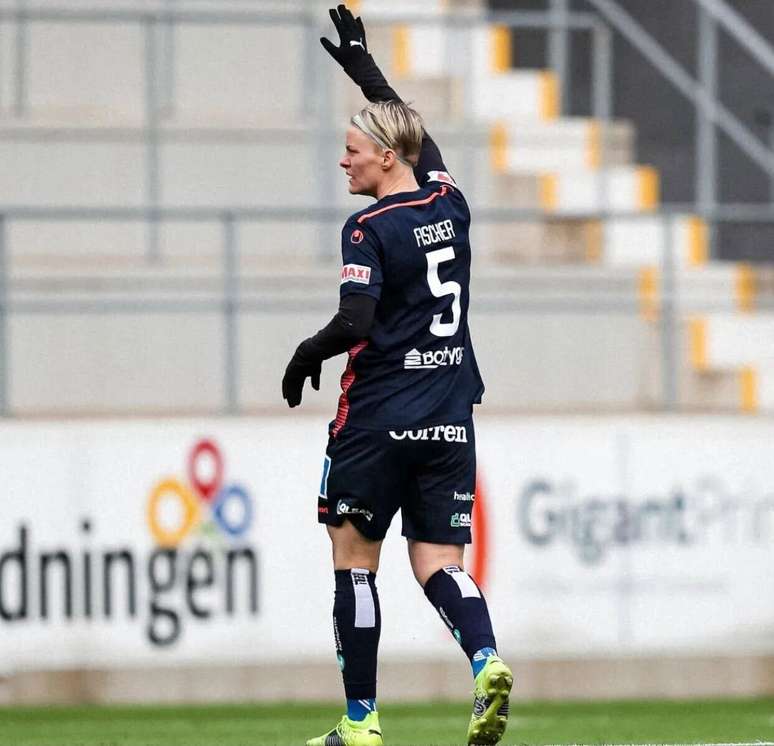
[(352, 37), (295, 376)]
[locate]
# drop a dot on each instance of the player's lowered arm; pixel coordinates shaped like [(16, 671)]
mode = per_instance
[(351, 324)]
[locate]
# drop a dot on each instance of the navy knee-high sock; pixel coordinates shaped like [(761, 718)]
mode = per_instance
[(357, 623), (462, 607)]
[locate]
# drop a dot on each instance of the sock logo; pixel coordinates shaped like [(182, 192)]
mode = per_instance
[(445, 617), (365, 606), (464, 582)]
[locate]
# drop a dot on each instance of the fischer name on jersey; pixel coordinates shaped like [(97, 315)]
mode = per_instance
[(411, 252)]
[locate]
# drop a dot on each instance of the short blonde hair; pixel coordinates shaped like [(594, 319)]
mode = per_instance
[(397, 125)]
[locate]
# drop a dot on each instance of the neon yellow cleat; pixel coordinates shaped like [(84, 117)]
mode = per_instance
[(352, 733), (490, 703)]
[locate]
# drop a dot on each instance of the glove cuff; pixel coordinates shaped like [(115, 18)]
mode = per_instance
[(359, 68)]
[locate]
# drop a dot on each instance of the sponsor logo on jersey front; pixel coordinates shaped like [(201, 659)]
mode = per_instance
[(416, 360), (460, 520), (356, 273), (448, 433), (465, 496)]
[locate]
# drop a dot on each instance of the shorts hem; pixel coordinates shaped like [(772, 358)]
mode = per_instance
[(456, 540), (360, 523)]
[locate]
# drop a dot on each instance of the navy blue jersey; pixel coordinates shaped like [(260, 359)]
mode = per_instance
[(411, 252)]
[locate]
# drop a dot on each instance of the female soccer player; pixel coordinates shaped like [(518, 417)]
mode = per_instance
[(403, 435)]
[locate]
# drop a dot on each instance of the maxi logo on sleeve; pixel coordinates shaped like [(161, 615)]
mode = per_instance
[(355, 273), (200, 570)]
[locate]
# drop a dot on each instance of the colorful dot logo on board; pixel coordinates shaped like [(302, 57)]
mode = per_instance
[(202, 503)]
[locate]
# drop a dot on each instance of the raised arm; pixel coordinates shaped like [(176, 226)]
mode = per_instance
[(352, 54)]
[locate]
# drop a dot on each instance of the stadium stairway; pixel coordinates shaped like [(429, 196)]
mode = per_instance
[(565, 166), (235, 136)]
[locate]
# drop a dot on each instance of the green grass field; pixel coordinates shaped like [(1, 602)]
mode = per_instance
[(440, 724)]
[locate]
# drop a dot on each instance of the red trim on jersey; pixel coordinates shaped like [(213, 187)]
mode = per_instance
[(413, 203), (347, 379)]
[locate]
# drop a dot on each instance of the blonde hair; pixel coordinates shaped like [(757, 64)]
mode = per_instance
[(394, 125)]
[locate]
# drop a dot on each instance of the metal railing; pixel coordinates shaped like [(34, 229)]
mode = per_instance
[(160, 22), (231, 301), (711, 114), (159, 49), (159, 98)]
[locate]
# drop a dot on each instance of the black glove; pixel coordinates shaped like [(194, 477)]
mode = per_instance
[(299, 368), (352, 38)]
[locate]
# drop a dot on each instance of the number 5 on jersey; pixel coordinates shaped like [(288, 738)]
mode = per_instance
[(442, 289)]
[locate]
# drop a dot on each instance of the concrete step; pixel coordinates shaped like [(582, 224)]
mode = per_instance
[(644, 240), (108, 174), (567, 143), (623, 188), (591, 343), (627, 242), (440, 99), (63, 246), (734, 288), (720, 341), (734, 388), (97, 69), (214, 72), (411, 39), (714, 289), (534, 242), (198, 169), (521, 94)]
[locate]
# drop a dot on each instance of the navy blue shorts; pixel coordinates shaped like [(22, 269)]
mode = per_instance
[(429, 474)]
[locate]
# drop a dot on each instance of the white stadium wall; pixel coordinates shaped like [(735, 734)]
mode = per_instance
[(172, 363), (609, 539)]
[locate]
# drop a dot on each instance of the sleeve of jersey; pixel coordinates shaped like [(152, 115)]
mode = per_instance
[(362, 264), (430, 169)]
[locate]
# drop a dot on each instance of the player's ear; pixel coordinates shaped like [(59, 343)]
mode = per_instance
[(388, 159)]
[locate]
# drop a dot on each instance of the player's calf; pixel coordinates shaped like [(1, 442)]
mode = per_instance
[(462, 607), (356, 629)]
